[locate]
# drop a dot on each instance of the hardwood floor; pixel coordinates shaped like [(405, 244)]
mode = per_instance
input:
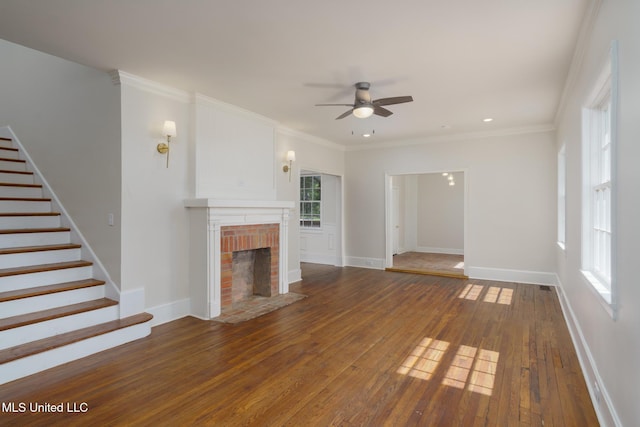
[(365, 348)]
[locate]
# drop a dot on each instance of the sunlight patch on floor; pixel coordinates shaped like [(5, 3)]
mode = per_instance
[(494, 294), (471, 368), (471, 292), (424, 359)]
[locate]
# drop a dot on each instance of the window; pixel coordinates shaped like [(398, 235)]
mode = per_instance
[(598, 145), (562, 185), (310, 201)]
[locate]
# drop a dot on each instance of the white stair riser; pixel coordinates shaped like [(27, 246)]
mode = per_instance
[(7, 165), (13, 222), (25, 281), (39, 362), (49, 328), (17, 240), (13, 206), (45, 302), (8, 191), (4, 143), (40, 257), (8, 154), (16, 178)]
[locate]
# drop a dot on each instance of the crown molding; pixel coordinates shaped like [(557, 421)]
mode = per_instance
[(200, 98), (119, 78), (310, 138), (550, 127), (588, 22)]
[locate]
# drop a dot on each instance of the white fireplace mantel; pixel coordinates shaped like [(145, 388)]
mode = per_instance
[(206, 217)]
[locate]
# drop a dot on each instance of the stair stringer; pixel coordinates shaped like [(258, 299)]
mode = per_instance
[(99, 271)]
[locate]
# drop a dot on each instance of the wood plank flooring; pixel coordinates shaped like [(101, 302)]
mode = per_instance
[(365, 348)]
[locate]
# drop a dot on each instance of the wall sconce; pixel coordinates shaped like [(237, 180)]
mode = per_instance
[(169, 129), (291, 157)]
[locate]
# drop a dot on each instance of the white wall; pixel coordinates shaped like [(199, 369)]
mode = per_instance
[(440, 213), (154, 220), (511, 201), (609, 349), (234, 152), (311, 154), (67, 117)]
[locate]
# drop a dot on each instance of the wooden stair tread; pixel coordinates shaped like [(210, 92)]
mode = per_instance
[(61, 340), (14, 271), (6, 214), (25, 199), (42, 248), (49, 289), (54, 313), (18, 172), (13, 184), (2, 138), (12, 160), (34, 230), (8, 148), (427, 272)]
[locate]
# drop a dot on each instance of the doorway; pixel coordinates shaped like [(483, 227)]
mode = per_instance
[(426, 223), (321, 221)]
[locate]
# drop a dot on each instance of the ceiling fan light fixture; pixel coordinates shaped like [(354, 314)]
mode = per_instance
[(363, 111)]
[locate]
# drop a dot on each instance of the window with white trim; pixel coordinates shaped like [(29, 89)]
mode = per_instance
[(598, 145), (562, 186), (310, 201)]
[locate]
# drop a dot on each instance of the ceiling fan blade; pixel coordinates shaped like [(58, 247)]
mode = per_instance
[(330, 105), (345, 114), (379, 111), (393, 100)]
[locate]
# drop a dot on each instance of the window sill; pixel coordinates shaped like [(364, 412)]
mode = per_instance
[(602, 292), (311, 230)]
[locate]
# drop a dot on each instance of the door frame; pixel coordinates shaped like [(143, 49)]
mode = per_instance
[(388, 214)]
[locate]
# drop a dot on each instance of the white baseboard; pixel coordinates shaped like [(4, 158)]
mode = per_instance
[(319, 258), (600, 398), (171, 311), (374, 263), (506, 275), (430, 250), (294, 275)]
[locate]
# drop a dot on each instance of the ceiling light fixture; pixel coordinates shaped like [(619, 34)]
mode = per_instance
[(487, 120), (363, 111)]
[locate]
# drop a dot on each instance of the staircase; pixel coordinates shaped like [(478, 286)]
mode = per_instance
[(52, 309)]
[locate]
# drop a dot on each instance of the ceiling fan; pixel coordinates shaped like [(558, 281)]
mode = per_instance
[(364, 107)]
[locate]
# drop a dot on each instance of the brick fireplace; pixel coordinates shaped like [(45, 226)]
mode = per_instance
[(217, 229), (252, 244)]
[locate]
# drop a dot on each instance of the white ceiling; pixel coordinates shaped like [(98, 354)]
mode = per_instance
[(461, 60)]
